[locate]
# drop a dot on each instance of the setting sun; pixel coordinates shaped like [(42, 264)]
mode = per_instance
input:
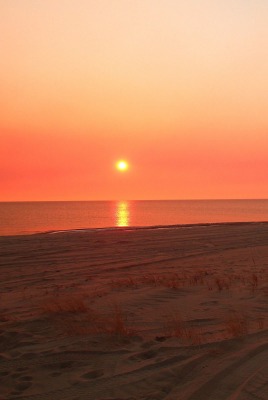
[(122, 165)]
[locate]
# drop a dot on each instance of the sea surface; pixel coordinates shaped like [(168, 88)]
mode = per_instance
[(18, 218)]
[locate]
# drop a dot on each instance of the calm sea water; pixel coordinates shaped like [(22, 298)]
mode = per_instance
[(18, 218)]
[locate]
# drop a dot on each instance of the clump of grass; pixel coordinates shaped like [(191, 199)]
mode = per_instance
[(76, 318), (169, 280), (175, 326), (79, 324), (65, 304), (193, 335), (173, 283), (122, 283), (152, 279), (198, 278), (116, 324), (237, 324)]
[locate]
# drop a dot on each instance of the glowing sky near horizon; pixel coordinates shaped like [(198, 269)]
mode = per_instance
[(179, 89)]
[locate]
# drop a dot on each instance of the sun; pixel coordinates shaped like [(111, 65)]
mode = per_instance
[(122, 165)]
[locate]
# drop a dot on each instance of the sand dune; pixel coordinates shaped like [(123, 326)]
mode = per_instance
[(177, 313)]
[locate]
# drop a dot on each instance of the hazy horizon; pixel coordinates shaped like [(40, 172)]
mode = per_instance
[(118, 200)]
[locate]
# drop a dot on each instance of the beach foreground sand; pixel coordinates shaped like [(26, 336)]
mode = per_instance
[(178, 313)]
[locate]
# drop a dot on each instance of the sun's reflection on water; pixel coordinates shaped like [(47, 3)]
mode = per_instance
[(122, 213)]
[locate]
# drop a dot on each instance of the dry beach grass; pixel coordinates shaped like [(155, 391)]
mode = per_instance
[(135, 314)]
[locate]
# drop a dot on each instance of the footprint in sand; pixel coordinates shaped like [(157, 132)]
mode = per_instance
[(66, 364), (23, 382), (55, 374), (16, 375), (15, 354), (26, 378), (59, 365), (28, 356), (4, 373), (146, 355), (209, 303), (21, 386), (93, 374), (22, 369)]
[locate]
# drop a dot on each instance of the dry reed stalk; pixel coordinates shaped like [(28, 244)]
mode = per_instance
[(253, 282), (260, 323), (222, 284)]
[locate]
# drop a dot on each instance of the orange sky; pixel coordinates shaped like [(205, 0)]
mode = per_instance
[(177, 88)]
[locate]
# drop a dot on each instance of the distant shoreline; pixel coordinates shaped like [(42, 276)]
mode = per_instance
[(136, 228)]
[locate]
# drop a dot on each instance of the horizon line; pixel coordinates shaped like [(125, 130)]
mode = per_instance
[(116, 200)]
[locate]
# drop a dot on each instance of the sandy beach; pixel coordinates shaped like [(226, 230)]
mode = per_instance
[(174, 313)]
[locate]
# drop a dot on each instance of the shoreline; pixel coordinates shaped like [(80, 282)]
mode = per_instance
[(138, 228)]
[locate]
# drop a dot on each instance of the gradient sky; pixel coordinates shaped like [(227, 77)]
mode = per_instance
[(177, 88)]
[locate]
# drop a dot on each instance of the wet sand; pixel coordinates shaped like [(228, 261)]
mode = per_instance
[(175, 313)]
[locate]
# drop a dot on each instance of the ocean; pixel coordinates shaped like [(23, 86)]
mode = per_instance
[(18, 218)]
